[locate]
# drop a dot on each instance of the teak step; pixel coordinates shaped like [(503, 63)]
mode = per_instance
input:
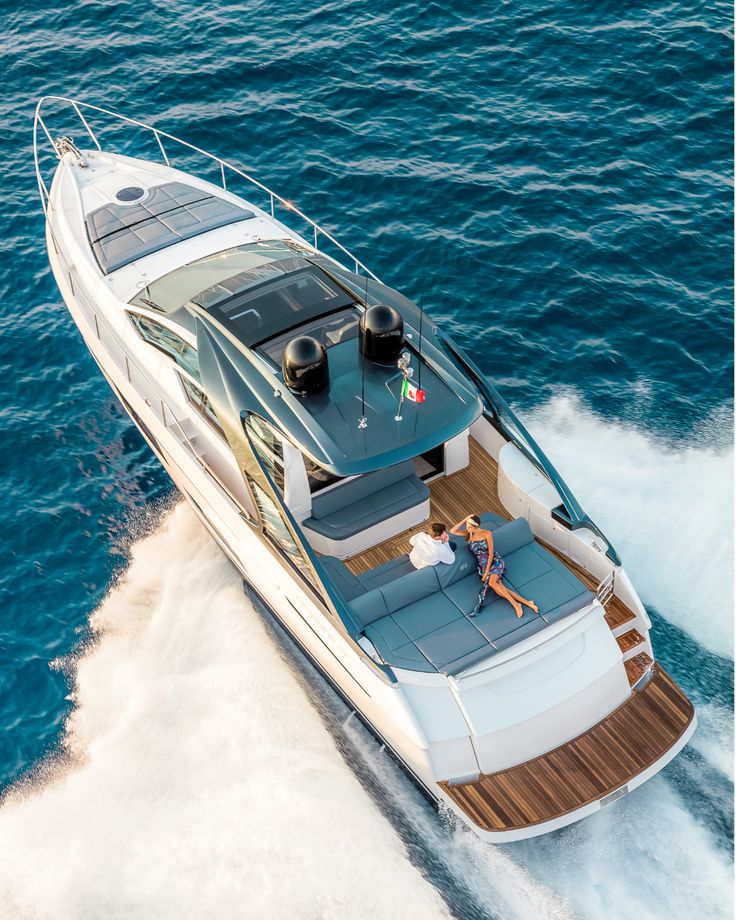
[(628, 640), (617, 613), (636, 666)]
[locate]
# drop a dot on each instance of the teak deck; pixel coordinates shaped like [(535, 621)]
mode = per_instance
[(472, 490), (591, 766)]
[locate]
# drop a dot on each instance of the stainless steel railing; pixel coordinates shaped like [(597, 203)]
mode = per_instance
[(225, 166), (605, 589)]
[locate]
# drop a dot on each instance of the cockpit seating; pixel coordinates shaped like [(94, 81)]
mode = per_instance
[(419, 620), (359, 513)]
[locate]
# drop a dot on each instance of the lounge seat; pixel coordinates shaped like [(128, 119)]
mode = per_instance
[(367, 508), (387, 572), (346, 583), (419, 620), (352, 586)]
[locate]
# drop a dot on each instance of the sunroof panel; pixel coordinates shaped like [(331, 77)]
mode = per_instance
[(264, 311), (121, 233)]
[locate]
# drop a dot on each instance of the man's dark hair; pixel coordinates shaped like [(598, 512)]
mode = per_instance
[(437, 529)]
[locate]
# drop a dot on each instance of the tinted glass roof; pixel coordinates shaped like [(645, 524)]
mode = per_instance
[(258, 314), (329, 330), (216, 277)]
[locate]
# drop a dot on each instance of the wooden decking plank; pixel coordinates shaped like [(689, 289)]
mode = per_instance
[(636, 666), (587, 768), (617, 613), (630, 639)]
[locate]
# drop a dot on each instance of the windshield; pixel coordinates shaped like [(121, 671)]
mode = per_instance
[(219, 276)]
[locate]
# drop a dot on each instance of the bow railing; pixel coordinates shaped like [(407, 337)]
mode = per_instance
[(84, 113)]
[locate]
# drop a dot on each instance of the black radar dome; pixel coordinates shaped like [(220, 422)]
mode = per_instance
[(381, 334), (304, 363)]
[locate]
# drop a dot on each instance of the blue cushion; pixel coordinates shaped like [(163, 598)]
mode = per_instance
[(516, 635), (410, 588), (368, 607), (426, 615), (409, 656), (463, 565), (491, 521), (419, 620), (404, 656), (512, 536), (550, 590), (347, 493), (576, 603), (389, 571), (526, 564), (466, 661), (498, 618), (464, 594), (343, 579), (451, 642), (360, 503), (386, 634)]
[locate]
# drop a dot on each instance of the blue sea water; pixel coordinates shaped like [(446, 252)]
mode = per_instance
[(557, 178)]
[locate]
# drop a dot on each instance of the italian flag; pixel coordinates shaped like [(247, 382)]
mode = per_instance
[(412, 393)]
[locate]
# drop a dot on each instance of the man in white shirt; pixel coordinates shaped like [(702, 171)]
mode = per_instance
[(432, 547)]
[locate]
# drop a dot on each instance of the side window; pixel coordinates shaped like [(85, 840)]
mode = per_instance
[(317, 476), (269, 447), (278, 532), (168, 342), (199, 400)]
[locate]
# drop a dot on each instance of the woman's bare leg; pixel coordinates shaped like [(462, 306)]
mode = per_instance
[(522, 600), (500, 588)]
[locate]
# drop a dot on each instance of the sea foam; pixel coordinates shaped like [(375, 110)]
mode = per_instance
[(197, 780), (667, 508)]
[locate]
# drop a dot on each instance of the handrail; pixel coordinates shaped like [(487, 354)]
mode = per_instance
[(606, 589), (77, 106), (495, 402)]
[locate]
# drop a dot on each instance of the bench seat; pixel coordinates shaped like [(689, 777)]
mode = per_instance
[(363, 510), (419, 620)]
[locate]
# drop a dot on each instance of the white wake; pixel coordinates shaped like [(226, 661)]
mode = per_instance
[(199, 780), (667, 509), (648, 857)]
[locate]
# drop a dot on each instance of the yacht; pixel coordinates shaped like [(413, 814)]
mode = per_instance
[(316, 419)]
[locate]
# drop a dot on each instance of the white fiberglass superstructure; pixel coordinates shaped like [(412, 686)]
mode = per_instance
[(267, 376)]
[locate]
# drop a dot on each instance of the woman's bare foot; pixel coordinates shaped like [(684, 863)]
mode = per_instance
[(517, 608), (532, 606)]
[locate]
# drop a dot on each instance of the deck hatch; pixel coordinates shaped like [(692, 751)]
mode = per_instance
[(121, 233)]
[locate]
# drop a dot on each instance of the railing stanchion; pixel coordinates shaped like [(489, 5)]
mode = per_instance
[(86, 125), (51, 140), (222, 173), (315, 237), (160, 144), (272, 214)]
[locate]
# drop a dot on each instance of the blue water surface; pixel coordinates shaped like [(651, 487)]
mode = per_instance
[(556, 177)]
